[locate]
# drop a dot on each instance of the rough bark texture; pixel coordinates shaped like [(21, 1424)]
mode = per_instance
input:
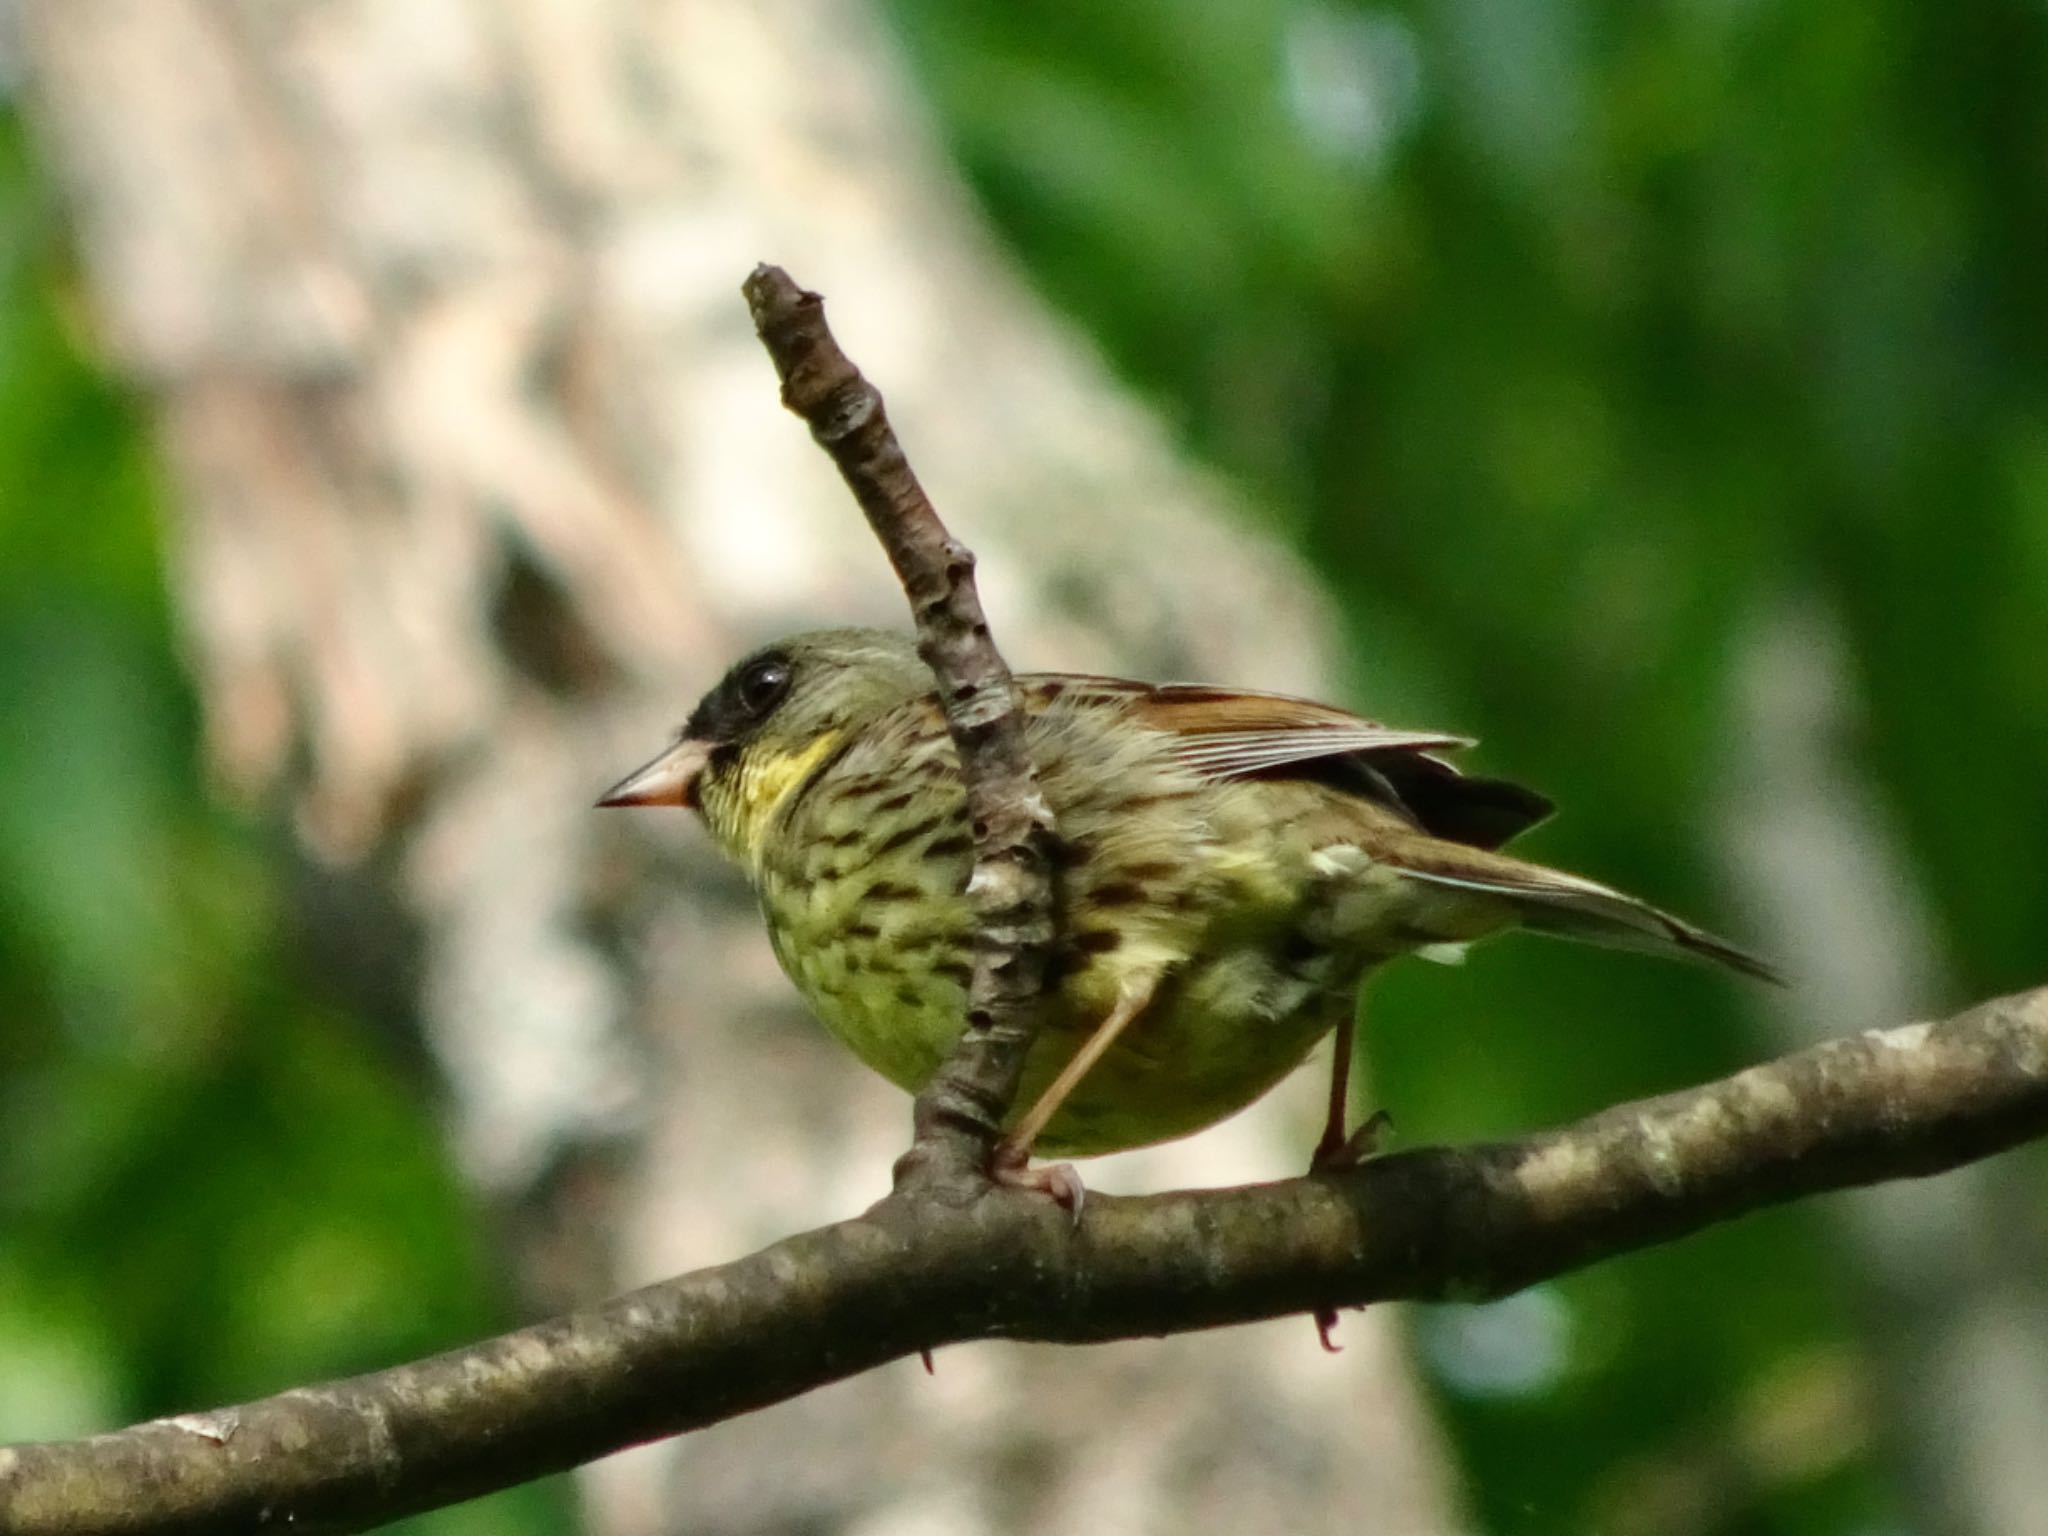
[(959, 1113), (915, 1273), (481, 479)]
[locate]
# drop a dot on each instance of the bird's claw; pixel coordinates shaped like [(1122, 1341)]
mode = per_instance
[(1011, 1169), (1333, 1156), (1326, 1322)]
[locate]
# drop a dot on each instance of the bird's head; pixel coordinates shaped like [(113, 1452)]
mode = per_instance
[(774, 720)]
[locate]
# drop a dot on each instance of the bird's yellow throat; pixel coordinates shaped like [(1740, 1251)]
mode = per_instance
[(742, 808)]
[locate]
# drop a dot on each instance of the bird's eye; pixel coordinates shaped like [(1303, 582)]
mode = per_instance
[(761, 685)]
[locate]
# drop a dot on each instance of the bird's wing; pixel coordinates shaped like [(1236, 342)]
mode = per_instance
[(1231, 733), (1227, 733)]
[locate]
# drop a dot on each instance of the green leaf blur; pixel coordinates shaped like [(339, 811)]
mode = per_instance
[(213, 1183)]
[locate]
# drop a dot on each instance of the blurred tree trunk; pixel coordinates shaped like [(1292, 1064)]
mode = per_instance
[(481, 476)]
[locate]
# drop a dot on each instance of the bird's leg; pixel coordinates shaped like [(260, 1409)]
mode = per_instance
[(1011, 1165), (1335, 1149), (1340, 1092)]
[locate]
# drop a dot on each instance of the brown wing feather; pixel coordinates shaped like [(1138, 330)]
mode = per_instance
[(1194, 709), (1230, 733)]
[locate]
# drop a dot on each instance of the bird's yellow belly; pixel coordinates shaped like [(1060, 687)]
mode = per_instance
[(1219, 1032), (1218, 1035)]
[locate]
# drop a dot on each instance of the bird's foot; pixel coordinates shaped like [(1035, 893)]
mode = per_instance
[(1334, 1155), (1011, 1168)]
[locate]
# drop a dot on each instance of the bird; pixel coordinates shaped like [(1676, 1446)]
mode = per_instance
[(1230, 866)]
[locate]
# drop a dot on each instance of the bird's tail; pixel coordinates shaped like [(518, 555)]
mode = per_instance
[(1569, 906)]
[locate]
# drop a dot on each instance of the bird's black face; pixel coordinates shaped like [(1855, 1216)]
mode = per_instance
[(724, 720), (743, 700), (774, 710)]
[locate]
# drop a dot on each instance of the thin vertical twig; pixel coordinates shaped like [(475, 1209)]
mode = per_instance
[(958, 1115)]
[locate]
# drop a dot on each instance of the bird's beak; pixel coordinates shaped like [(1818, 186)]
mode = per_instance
[(671, 779)]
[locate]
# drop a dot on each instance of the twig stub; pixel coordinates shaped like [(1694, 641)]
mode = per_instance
[(960, 1112)]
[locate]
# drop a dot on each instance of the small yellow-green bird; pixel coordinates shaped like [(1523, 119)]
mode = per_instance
[(1232, 865)]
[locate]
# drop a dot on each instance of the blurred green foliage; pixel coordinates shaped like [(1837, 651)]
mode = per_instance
[(213, 1183), (1580, 345)]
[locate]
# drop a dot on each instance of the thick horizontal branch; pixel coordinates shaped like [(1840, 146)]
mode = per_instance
[(1432, 1224)]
